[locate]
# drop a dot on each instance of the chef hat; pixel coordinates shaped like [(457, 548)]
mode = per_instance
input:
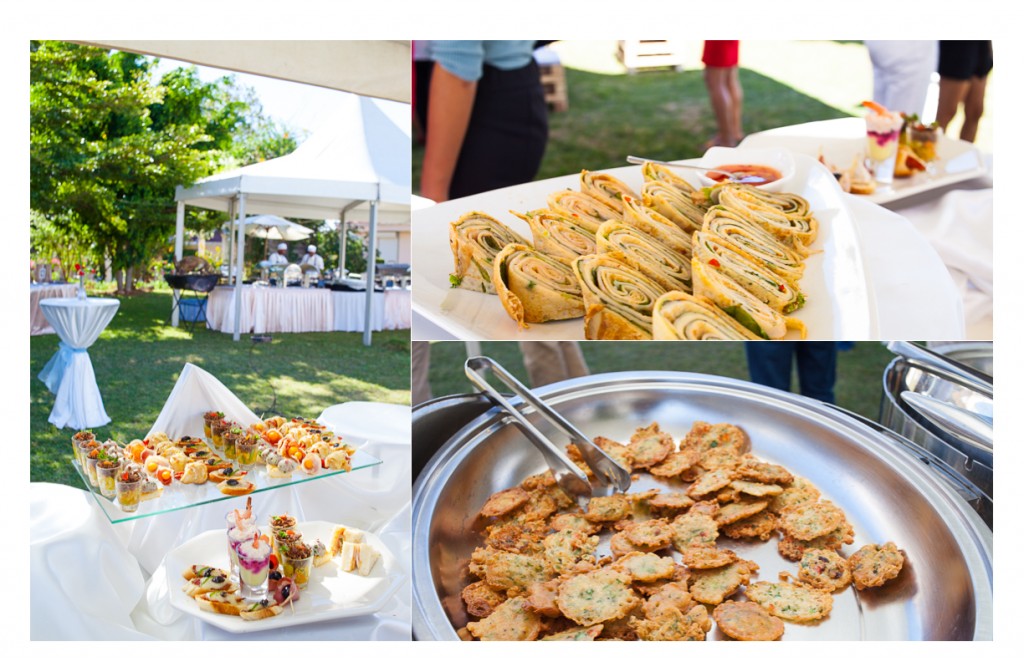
[(282, 247), (311, 249)]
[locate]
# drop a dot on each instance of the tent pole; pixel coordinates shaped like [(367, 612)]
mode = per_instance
[(239, 263), (371, 274), (343, 246), (179, 245), (231, 242)]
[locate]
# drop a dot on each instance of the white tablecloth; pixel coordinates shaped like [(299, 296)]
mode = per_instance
[(299, 310), (109, 582), (69, 374), (37, 293)]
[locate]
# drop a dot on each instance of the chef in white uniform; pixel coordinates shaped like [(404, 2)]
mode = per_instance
[(280, 257), (313, 259)]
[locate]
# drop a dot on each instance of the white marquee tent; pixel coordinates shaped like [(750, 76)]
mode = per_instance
[(356, 167)]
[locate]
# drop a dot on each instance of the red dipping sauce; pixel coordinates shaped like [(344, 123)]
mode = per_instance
[(766, 173)]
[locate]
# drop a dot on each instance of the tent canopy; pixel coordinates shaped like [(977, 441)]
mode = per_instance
[(379, 69), (360, 154)]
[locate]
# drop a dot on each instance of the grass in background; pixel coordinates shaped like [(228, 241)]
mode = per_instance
[(858, 385), (667, 115), (139, 356)]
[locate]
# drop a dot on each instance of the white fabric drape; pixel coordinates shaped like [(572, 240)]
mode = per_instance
[(69, 374), (300, 310)]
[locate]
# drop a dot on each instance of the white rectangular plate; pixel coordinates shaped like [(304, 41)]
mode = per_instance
[(841, 140), (331, 594), (835, 284)]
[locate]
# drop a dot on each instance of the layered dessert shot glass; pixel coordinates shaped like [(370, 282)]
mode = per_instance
[(883, 138), (253, 567)]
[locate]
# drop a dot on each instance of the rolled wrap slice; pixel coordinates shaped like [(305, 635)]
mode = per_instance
[(584, 209), (651, 222), (798, 231), (682, 316), (618, 298), (653, 258), (605, 188), (655, 172), (534, 287), (673, 205), (741, 305), (787, 203), (754, 242), (558, 234), (759, 281), (475, 239)]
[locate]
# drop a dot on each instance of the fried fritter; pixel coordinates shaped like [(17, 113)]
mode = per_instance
[(670, 502), (676, 463), (702, 557), (564, 549), (760, 526), (481, 599), (824, 569), (793, 549), (756, 489), (739, 510), (672, 624), (747, 621), (710, 482), (751, 468), (645, 566), (650, 446), (505, 501), (576, 521), (521, 538), (514, 572), (651, 535), (616, 451), (872, 565), (792, 602), (608, 508), (596, 597), (693, 528), (799, 491), (541, 598), (511, 621), (811, 520), (714, 585), (576, 634)]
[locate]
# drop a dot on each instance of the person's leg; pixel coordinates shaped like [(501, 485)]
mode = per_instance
[(736, 102), (974, 107), (951, 93), (770, 363), (548, 362), (816, 370), (716, 79), (420, 366)]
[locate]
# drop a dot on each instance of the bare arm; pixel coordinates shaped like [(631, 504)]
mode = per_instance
[(450, 106)]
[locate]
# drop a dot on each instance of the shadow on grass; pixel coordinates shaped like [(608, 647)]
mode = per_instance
[(659, 114), (139, 357)]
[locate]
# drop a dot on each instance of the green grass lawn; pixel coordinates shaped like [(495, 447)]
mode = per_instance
[(139, 356), (858, 385)]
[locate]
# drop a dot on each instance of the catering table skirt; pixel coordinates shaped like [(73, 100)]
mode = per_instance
[(300, 310), (39, 292)]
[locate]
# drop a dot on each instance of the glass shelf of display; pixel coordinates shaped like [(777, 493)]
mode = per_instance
[(181, 496)]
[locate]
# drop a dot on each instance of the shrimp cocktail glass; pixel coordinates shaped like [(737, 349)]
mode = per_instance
[(254, 567), (883, 138), (241, 527)]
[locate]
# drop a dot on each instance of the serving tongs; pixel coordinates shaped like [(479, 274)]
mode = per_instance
[(607, 472), (731, 176)]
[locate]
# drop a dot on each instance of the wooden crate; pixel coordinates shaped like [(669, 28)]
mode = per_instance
[(556, 92), (637, 54)]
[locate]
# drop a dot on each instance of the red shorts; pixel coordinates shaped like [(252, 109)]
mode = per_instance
[(721, 53)]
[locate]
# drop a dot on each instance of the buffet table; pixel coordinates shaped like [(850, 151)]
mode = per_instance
[(38, 292), (302, 310), (69, 374), (109, 581)]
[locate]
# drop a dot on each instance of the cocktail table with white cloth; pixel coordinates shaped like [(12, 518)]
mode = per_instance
[(40, 291), (303, 310), (69, 374)]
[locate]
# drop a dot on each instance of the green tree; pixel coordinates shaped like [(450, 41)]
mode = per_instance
[(108, 146)]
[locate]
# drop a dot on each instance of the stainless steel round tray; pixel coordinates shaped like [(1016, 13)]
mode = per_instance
[(944, 591)]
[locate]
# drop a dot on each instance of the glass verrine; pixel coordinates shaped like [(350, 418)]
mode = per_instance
[(217, 428), (241, 527), (247, 449), (208, 419), (128, 486), (106, 474), (253, 567), (883, 137), (77, 440), (284, 537), (296, 562), (90, 466)]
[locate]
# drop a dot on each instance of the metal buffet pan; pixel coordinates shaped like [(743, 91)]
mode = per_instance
[(943, 593)]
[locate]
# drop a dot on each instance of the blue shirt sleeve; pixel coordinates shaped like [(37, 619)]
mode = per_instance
[(466, 58)]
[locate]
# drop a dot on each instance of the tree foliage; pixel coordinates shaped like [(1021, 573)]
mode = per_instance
[(109, 144)]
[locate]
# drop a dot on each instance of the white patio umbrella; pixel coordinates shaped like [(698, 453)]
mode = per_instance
[(268, 226)]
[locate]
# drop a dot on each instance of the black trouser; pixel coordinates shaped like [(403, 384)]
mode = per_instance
[(507, 133)]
